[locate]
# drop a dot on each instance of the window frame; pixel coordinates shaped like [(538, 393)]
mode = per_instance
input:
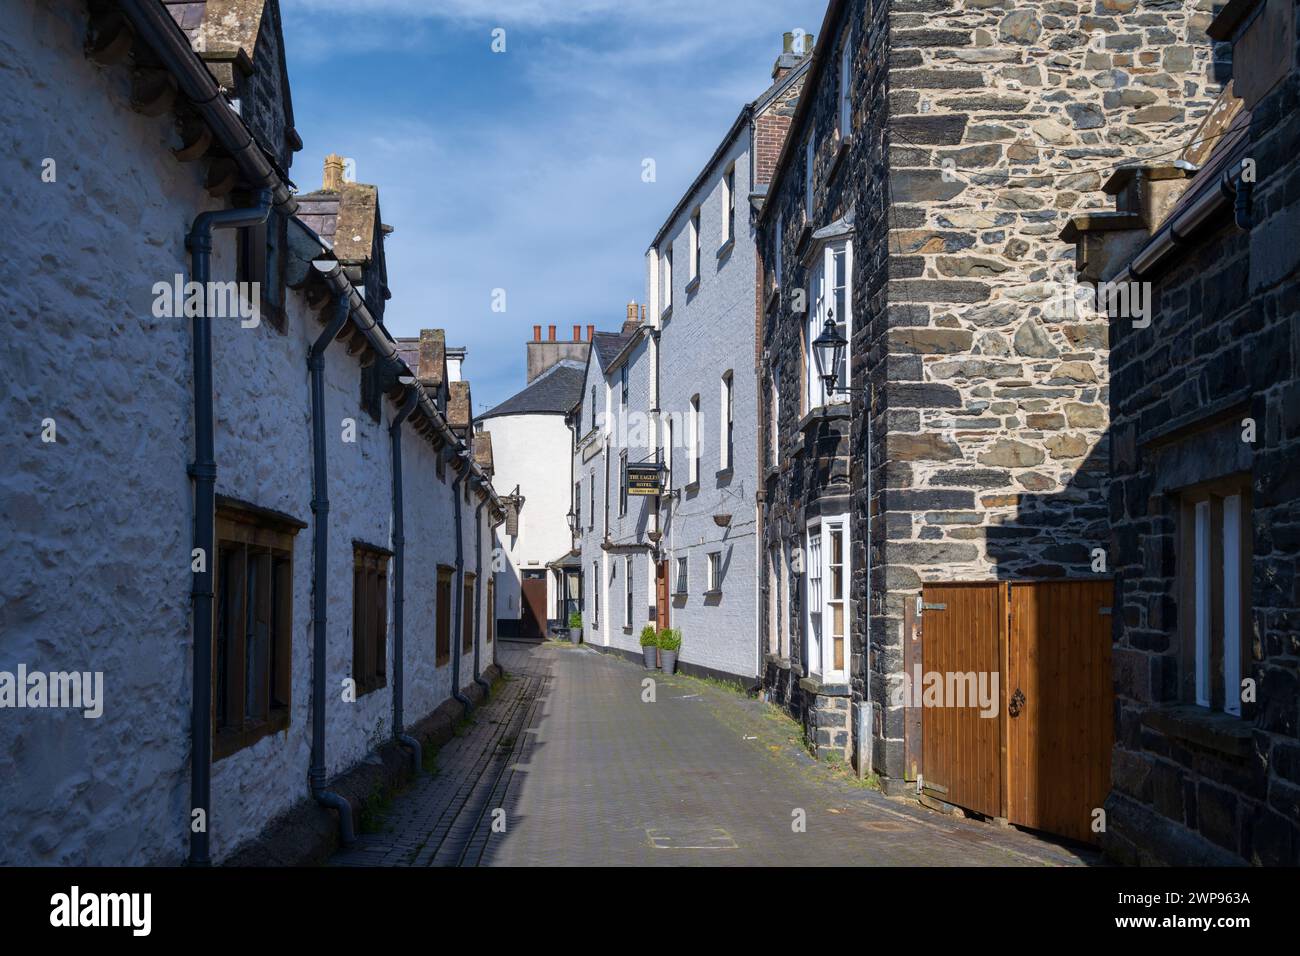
[(628, 571), (622, 483), (239, 530), (369, 617), (729, 205), (468, 582), (820, 296), (727, 422), (1214, 592), (442, 614), (713, 573), (682, 576), (695, 241), (844, 119), (694, 459)]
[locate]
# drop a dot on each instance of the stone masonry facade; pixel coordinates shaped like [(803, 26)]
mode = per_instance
[(978, 128)]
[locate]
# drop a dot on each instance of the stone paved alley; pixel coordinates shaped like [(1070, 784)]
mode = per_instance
[(590, 775)]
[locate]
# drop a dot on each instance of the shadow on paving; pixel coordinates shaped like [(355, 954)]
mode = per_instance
[(589, 774)]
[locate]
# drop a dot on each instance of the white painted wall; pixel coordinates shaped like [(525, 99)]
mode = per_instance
[(531, 451), (95, 571)]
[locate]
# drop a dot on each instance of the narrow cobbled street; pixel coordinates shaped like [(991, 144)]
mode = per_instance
[(588, 774)]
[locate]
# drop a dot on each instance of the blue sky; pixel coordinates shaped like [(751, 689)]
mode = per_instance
[(522, 170)]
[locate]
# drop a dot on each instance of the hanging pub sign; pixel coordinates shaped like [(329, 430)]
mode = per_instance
[(643, 479)]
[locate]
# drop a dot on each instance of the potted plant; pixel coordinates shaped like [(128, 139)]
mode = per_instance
[(575, 627), (649, 644), (670, 642)]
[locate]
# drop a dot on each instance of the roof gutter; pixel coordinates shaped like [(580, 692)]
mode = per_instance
[(156, 27), (1230, 191)]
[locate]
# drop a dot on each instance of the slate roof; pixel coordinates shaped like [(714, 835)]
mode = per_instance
[(607, 345), (555, 391)]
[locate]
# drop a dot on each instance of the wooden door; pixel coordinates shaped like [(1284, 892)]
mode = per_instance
[(661, 595), (961, 633), (533, 626), (1058, 696)]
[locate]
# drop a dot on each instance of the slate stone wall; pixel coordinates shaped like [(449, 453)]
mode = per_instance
[(1191, 784), (980, 126)]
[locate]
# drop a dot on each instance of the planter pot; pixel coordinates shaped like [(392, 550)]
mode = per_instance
[(669, 662), (649, 654), (575, 635)]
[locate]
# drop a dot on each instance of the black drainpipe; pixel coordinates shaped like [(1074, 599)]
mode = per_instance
[(204, 472), (320, 506), (460, 593), (479, 588), (399, 567)]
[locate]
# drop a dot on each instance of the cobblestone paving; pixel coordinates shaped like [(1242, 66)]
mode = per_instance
[(588, 774)]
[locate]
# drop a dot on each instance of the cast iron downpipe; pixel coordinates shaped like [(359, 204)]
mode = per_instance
[(399, 568), (204, 473), (459, 630), (320, 506), (479, 588)]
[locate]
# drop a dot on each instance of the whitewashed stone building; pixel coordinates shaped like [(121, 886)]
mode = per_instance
[(675, 388), (161, 528), (537, 578)]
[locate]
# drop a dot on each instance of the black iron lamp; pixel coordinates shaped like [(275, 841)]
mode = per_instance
[(828, 351), (573, 523)]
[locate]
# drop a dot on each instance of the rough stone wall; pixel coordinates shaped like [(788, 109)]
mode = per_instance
[(1226, 321), (816, 453), (1004, 118)]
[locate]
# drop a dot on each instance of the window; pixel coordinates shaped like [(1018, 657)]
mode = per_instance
[(680, 586), (260, 259), (577, 506), (693, 462), (846, 88), (467, 614), (829, 292), (715, 573), (729, 205), (591, 497), (627, 590), (773, 600), (253, 633), (622, 484), (492, 609), (813, 595), (826, 589), (442, 650), (777, 251), (835, 623), (595, 592), (809, 159), (694, 232), (786, 591), (622, 394), (668, 454), (774, 417), (369, 617), (668, 279), (728, 432), (593, 408), (1214, 563)]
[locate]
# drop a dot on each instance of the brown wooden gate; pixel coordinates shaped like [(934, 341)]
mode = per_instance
[(1044, 760)]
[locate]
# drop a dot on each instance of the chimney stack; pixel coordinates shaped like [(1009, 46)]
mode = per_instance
[(537, 333), (591, 332), (333, 180), (794, 48), (577, 333), (550, 333), (631, 322)]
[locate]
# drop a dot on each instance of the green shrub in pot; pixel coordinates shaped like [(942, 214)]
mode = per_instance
[(649, 644), (670, 642)]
